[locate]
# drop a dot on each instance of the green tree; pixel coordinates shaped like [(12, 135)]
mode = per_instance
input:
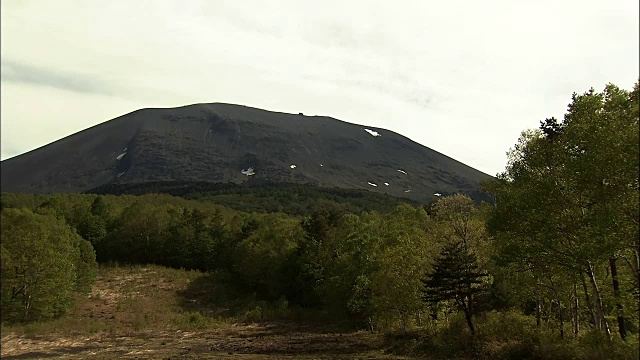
[(44, 262), (455, 276), (409, 247), (569, 196), (308, 264), (260, 259), (137, 234)]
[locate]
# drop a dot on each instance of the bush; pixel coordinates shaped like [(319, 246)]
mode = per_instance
[(192, 320), (253, 315), (596, 346)]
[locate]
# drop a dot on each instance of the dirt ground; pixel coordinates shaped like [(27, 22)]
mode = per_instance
[(240, 341), (131, 314)]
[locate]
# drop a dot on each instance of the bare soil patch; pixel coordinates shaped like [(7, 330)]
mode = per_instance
[(139, 313), (239, 341)]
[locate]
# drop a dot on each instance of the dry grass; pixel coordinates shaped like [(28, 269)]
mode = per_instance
[(152, 312)]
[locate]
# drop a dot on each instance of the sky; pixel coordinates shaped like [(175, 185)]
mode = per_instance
[(461, 77)]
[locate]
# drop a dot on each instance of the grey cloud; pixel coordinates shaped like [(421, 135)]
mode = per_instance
[(33, 75)]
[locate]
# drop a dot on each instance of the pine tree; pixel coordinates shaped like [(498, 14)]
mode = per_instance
[(455, 276)]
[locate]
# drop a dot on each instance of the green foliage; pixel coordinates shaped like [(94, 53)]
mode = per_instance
[(85, 266), (293, 199), (260, 259), (455, 276), (306, 267), (43, 263), (567, 204), (409, 246)]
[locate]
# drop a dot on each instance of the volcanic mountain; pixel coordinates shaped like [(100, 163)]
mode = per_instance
[(225, 143)]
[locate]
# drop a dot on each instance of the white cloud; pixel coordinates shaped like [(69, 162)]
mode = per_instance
[(463, 78)]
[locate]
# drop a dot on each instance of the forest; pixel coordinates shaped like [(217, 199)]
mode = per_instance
[(548, 269)]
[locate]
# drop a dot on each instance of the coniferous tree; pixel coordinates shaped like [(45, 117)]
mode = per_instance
[(455, 276)]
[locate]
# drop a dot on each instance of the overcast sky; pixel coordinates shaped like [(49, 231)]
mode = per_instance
[(461, 77)]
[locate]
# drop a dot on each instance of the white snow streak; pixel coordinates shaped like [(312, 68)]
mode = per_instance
[(372, 184), (386, 184), (121, 156), (402, 171), (373, 133), (292, 166), (248, 171)]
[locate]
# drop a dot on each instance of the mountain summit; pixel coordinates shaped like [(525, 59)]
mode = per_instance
[(221, 143)]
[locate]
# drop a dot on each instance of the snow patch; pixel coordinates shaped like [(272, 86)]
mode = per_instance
[(372, 184), (321, 165), (407, 190), (437, 194), (386, 184), (404, 172), (125, 149), (373, 133), (122, 173), (248, 171), (292, 166), (121, 156)]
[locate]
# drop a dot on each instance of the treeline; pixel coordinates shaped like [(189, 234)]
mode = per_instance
[(293, 199), (366, 267)]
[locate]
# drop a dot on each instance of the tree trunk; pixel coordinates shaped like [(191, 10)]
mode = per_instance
[(594, 318), (405, 328), (560, 313), (576, 326), (538, 312), (467, 316), (636, 256), (596, 294), (548, 313), (616, 292), (561, 318), (26, 301)]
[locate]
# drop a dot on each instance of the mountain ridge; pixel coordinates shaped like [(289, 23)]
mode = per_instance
[(214, 142)]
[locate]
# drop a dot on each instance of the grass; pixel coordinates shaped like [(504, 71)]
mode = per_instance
[(157, 312), (509, 336), (126, 298)]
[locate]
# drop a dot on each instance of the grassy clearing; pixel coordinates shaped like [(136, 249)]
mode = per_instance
[(153, 312), (127, 298)]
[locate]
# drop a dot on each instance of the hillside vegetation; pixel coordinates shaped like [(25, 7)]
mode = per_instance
[(549, 271), (293, 199)]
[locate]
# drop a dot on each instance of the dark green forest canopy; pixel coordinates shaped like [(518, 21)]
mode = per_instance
[(294, 199)]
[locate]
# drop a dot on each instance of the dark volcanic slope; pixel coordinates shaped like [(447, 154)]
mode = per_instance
[(215, 142)]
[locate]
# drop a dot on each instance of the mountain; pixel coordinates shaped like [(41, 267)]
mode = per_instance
[(225, 143)]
